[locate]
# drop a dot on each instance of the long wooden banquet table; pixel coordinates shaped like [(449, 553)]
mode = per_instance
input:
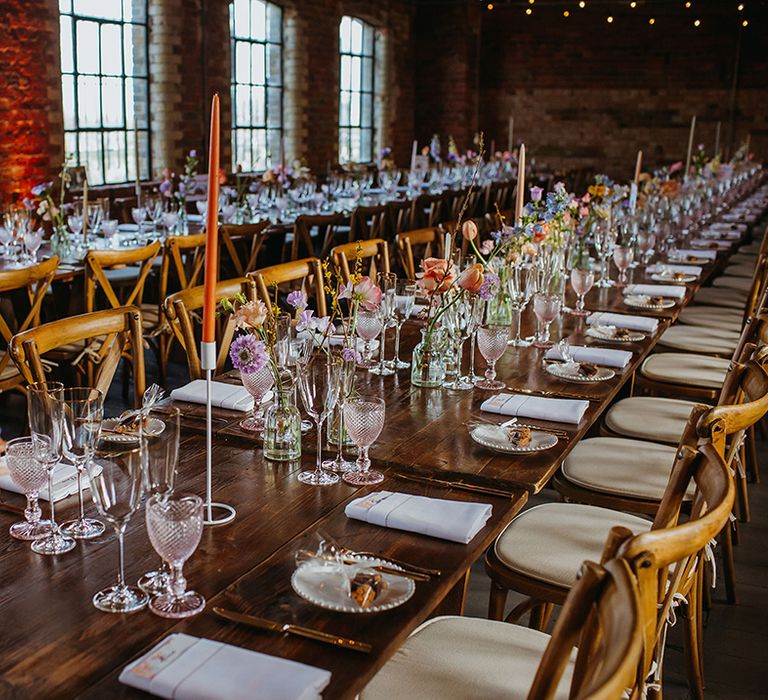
[(55, 644)]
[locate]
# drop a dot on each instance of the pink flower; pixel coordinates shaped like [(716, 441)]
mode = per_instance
[(529, 249), (437, 275), (250, 315), (472, 278), (487, 246), (469, 230), (364, 292), (675, 167)]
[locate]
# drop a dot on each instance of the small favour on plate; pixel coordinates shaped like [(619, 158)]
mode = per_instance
[(580, 372), (513, 439), (365, 587), (618, 335), (643, 301), (519, 435)]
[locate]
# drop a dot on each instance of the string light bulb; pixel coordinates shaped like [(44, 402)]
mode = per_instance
[(740, 8), (687, 6), (609, 19), (566, 13), (490, 5), (697, 23), (633, 4), (744, 23), (651, 21), (582, 4), (529, 11)]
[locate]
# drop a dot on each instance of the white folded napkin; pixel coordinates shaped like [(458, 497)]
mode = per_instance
[(706, 242), (656, 290), (725, 234), (541, 407), (191, 668), (607, 357), (682, 253), (230, 396), (726, 226), (457, 521), (668, 268), (64, 481), (632, 323)]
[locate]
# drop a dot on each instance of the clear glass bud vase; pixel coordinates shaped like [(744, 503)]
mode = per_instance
[(428, 361), (282, 427)]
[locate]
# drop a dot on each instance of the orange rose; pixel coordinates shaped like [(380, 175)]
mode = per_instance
[(472, 278), (437, 275), (469, 230), (250, 315)]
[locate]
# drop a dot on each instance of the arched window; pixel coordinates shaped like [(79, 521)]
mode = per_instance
[(356, 89), (105, 88), (257, 83)]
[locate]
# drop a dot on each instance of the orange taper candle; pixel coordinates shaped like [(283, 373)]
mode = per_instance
[(212, 229)]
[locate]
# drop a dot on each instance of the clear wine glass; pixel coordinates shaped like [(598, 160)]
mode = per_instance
[(582, 282), (520, 289), (29, 474), (645, 242), (170, 219), (175, 526), (160, 433), (364, 417), (346, 385), (546, 307), (368, 326), (75, 222), (116, 473), (492, 343), (109, 230), (257, 384), (623, 256), (33, 239), (477, 319), (387, 282), (44, 410), (319, 389), (604, 238), (405, 300), (458, 319), (82, 414)]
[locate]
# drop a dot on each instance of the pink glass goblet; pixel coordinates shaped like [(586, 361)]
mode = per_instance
[(257, 384), (369, 325), (623, 256), (492, 343), (581, 281), (364, 420), (546, 307), (30, 475)]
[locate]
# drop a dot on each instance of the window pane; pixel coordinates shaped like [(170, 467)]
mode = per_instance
[(274, 64), (273, 148), (242, 150), (368, 40), (141, 101), (112, 102), (274, 23), (87, 47), (258, 72), (345, 42), (344, 145), (111, 58), (240, 17), (367, 74), (354, 146), (346, 72), (366, 110), (104, 9), (274, 108), (366, 149), (90, 155), (67, 56), (68, 100), (357, 36), (88, 95), (354, 109), (134, 11), (355, 68), (242, 105), (258, 20), (114, 156), (70, 145), (344, 99), (258, 104), (242, 62), (135, 49), (65, 5)]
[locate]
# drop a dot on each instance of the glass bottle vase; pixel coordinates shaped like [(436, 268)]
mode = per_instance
[(282, 427), (428, 360)]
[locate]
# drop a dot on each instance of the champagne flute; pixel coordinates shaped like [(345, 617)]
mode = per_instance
[(175, 526), (82, 411), (405, 300), (546, 307), (387, 283), (368, 325), (44, 410), (346, 384), (519, 288), (582, 282), (492, 343), (364, 418), (115, 472), (160, 433), (29, 474), (623, 256), (319, 389)]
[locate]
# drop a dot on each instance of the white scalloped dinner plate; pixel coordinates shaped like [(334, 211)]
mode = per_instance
[(638, 302), (563, 372), (495, 438)]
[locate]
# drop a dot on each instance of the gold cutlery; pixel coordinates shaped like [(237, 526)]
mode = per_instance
[(297, 630), (405, 565), (553, 394), (460, 485), (383, 569), (552, 431)]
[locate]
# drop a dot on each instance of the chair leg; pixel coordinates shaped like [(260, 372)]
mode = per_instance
[(537, 617), (753, 465), (741, 487), (546, 615), (729, 569), (496, 602), (692, 659)]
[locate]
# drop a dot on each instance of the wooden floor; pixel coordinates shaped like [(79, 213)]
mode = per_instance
[(735, 636)]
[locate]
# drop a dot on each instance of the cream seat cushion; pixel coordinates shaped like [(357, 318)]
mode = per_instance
[(712, 317), (741, 269), (649, 418), (621, 467), (465, 657), (717, 296), (740, 284), (688, 369), (707, 341), (742, 258), (549, 542)]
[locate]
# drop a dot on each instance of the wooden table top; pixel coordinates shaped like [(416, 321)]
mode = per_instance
[(56, 644)]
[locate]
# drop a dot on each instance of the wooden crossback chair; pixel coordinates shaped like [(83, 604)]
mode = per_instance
[(305, 274), (329, 226), (400, 216), (368, 222), (120, 331), (182, 310), (593, 652), (242, 244), (497, 194), (428, 210), (428, 242), (374, 250), (667, 558), (493, 221), (35, 282)]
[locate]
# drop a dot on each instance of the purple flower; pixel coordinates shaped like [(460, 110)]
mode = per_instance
[(385, 152), (305, 319), (350, 355), (297, 299), (182, 188), (536, 193), (165, 188), (27, 202), (43, 187), (489, 287), (248, 354), (193, 153)]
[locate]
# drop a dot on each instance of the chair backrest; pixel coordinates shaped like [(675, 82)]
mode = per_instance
[(374, 250), (428, 210), (756, 296), (327, 225), (429, 242), (497, 194), (400, 216), (602, 618), (181, 310), (307, 272), (97, 262), (184, 256), (494, 219), (35, 280), (368, 222), (115, 329), (242, 244)]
